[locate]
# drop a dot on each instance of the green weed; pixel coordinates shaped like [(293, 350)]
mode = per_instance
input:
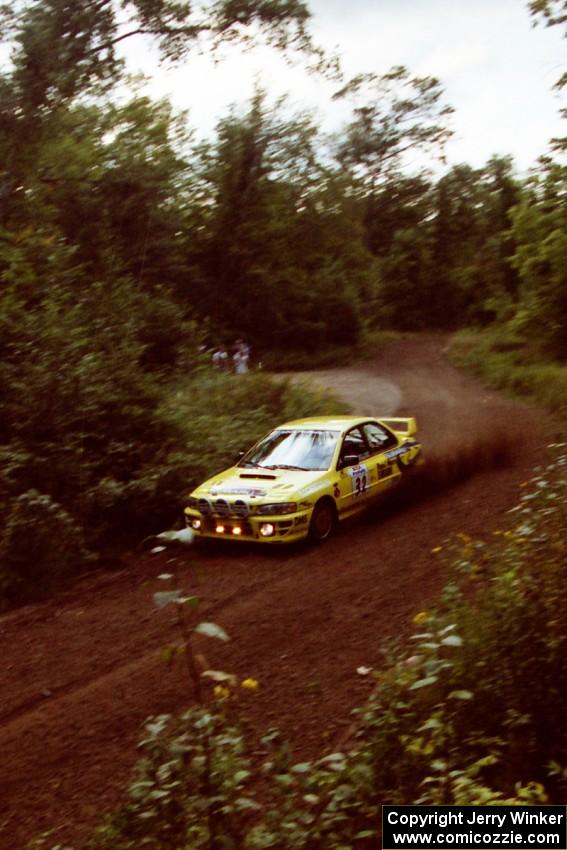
[(511, 363)]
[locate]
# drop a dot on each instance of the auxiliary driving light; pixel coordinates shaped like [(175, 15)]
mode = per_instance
[(267, 529), (219, 529), (196, 524), (237, 530)]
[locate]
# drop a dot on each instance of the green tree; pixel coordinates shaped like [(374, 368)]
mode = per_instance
[(500, 193), (445, 248), (540, 232), (396, 231), (458, 235), (553, 13), (111, 183), (472, 244), (62, 51), (406, 281), (393, 114), (63, 48), (276, 252)]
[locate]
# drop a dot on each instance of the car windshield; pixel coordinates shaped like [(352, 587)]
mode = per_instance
[(306, 450)]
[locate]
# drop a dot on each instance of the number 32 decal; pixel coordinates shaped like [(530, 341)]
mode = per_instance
[(360, 478)]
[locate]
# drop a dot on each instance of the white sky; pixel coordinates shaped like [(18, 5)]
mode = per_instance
[(497, 70)]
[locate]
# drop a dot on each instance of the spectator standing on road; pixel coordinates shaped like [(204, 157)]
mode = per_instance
[(220, 359), (241, 357), (246, 354)]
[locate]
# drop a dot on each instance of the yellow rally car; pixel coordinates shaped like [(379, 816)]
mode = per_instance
[(304, 476)]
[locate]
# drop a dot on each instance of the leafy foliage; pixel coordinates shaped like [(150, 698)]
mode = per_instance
[(64, 49), (41, 545), (281, 257), (540, 228), (445, 250), (392, 114), (510, 362), (553, 13)]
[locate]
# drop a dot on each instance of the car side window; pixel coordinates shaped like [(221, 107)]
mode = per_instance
[(378, 438), (353, 444)]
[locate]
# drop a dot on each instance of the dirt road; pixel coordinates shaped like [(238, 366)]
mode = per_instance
[(81, 672)]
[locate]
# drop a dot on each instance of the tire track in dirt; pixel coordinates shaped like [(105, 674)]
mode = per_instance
[(301, 620)]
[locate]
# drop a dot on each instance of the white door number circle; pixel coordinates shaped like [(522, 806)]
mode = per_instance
[(360, 479)]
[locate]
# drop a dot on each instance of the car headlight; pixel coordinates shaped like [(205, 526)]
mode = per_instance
[(279, 509)]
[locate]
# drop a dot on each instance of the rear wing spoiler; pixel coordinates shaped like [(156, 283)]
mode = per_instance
[(405, 426)]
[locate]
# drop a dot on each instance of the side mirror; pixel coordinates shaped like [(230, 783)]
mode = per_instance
[(349, 460)]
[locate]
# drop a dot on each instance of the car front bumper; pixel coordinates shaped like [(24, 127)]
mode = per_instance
[(261, 529)]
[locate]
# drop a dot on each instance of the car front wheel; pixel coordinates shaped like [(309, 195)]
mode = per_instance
[(323, 521)]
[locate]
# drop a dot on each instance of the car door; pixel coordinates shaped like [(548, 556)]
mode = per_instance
[(382, 471), (353, 480)]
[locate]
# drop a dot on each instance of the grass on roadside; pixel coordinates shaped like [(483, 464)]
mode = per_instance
[(328, 357), (514, 365)]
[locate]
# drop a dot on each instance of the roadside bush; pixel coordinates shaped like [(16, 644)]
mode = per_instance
[(510, 362), (479, 705), (191, 783), (40, 545), (303, 360), (328, 356), (77, 404)]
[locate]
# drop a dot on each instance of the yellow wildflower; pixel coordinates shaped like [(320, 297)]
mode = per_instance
[(221, 692), (249, 684), (436, 549), (420, 618)]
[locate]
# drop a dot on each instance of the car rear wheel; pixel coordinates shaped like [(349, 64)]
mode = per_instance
[(323, 521)]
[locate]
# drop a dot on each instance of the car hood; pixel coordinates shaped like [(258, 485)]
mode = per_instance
[(259, 484)]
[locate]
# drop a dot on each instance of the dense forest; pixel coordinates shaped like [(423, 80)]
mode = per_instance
[(128, 246)]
